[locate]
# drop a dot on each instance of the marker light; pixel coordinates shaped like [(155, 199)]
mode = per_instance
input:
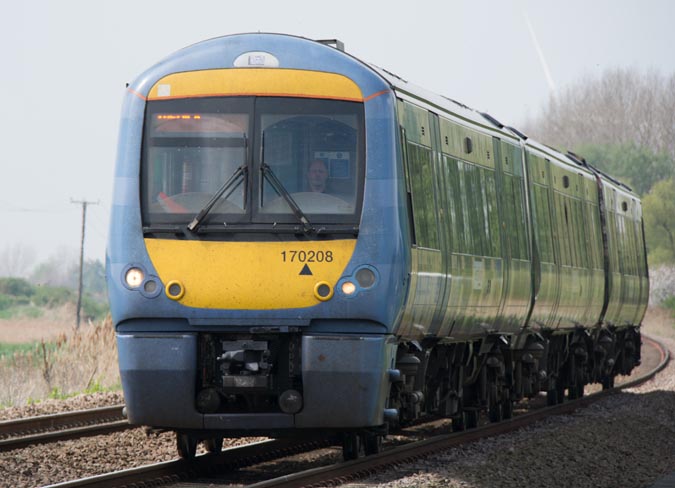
[(323, 291), (174, 290), (150, 286), (134, 277), (348, 288)]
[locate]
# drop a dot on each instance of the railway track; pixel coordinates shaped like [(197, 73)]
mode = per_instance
[(173, 473), (19, 433)]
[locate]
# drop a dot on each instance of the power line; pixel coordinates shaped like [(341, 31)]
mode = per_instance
[(84, 221)]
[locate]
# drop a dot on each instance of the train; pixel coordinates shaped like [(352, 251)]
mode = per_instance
[(304, 244)]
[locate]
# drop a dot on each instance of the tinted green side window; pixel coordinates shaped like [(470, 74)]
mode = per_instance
[(615, 248), (515, 213), (422, 185), (561, 217), (639, 249), (631, 247), (542, 224), (472, 201), (480, 198), (490, 215), (582, 244), (593, 231)]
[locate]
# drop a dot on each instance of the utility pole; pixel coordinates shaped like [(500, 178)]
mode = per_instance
[(84, 220)]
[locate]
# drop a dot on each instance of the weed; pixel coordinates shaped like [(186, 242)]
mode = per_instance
[(80, 361), (669, 303), (56, 394)]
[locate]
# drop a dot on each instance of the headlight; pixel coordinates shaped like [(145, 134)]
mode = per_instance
[(366, 277), (348, 288), (134, 277)]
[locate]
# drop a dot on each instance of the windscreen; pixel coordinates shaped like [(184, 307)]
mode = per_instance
[(312, 148), (257, 161)]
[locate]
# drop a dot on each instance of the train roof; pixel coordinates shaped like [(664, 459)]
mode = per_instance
[(487, 122)]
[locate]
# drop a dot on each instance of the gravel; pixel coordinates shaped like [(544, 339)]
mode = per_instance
[(48, 407), (46, 464), (627, 440)]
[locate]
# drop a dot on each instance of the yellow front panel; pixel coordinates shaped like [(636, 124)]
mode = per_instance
[(249, 275), (256, 81)]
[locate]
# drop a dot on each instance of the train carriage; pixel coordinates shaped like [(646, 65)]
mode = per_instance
[(305, 244)]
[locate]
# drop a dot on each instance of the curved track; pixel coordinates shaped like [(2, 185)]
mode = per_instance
[(171, 473)]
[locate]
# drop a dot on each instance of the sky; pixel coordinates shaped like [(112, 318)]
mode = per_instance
[(65, 65)]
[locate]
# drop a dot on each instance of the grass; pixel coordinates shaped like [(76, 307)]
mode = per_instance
[(28, 311), (64, 365), (669, 303), (7, 350)]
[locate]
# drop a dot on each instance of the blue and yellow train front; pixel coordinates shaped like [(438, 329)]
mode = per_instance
[(257, 254)]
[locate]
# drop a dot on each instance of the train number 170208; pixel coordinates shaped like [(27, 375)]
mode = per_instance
[(307, 256)]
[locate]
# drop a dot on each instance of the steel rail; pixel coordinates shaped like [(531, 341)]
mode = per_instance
[(172, 471), (17, 433), (236, 457), (359, 468)]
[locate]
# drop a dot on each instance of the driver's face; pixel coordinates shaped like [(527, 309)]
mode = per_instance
[(317, 174)]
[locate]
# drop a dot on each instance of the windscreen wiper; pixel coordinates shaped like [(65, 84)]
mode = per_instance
[(238, 175), (281, 190)]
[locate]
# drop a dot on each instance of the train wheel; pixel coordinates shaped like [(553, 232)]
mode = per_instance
[(494, 405), (351, 446), (186, 445), (576, 391), (214, 445), (372, 443), (607, 382), (495, 412), (554, 396), (458, 424), (471, 418), (560, 387), (507, 407), (580, 390)]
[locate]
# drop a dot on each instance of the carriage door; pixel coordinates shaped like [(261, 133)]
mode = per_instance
[(427, 278)]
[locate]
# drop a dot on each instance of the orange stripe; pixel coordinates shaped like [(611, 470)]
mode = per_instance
[(375, 95), (137, 94)]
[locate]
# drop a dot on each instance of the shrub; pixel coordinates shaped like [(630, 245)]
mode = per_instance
[(17, 287), (669, 303), (92, 309), (6, 302), (53, 296)]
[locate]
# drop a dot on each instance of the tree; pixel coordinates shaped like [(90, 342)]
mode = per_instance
[(60, 269), (659, 217), (16, 287), (16, 260), (638, 167), (623, 122), (93, 276), (620, 107)]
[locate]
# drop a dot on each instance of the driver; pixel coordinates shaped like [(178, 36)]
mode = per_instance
[(317, 174)]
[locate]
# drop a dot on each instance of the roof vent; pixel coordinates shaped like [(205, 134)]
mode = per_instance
[(517, 132), (577, 159), (337, 44), (492, 120)]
